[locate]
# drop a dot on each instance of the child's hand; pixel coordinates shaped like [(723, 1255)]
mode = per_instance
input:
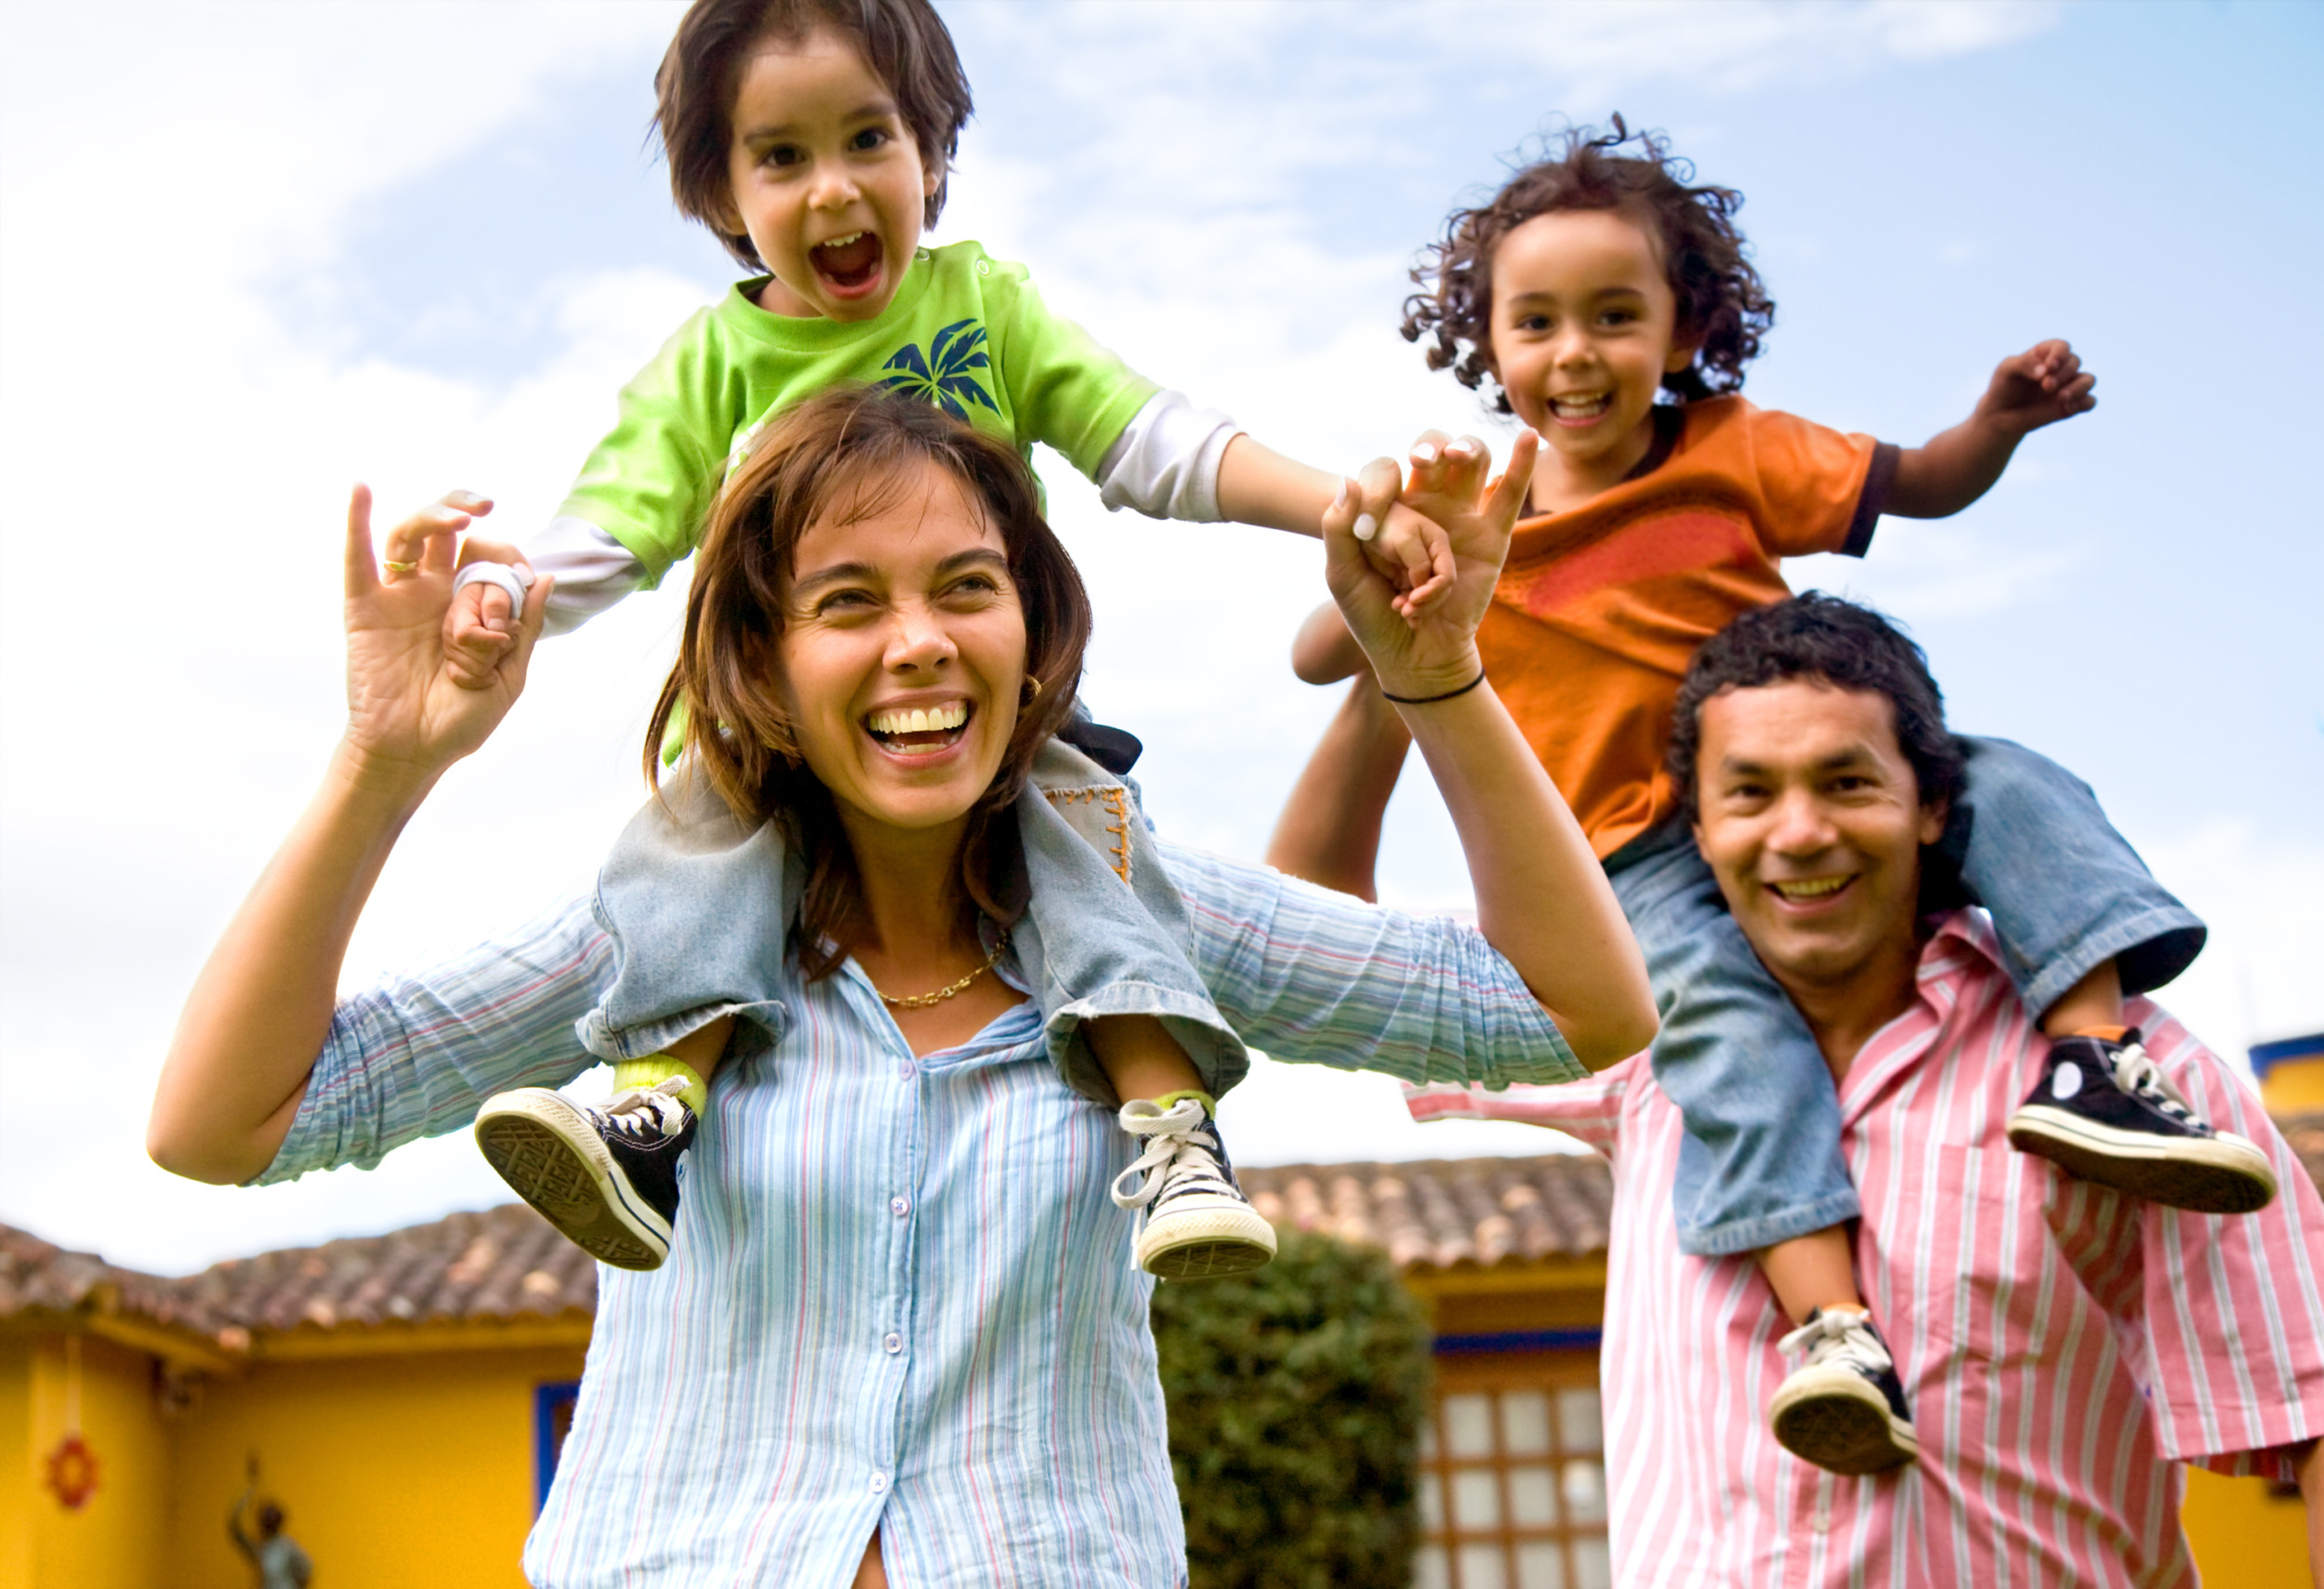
[(480, 624), (2038, 387), (1407, 548)]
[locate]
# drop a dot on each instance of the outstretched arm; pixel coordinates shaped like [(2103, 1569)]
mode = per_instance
[(1330, 829), (261, 1007), (1258, 486), (2042, 384), (1542, 899)]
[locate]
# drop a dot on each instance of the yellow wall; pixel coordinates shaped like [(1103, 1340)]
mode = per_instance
[(2242, 1536), (119, 1536), (394, 1471), (16, 1461)]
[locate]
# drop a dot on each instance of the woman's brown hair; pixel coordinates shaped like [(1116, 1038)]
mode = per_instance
[(904, 43), (1723, 307), (848, 452)]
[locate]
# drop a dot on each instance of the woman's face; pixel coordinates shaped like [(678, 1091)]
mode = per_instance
[(903, 654)]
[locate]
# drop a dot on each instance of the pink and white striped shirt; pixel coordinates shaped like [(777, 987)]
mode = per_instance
[(2061, 1344)]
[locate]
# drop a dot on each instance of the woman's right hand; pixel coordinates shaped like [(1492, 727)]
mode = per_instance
[(408, 715)]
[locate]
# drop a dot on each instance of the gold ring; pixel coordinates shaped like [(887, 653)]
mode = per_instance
[(394, 567)]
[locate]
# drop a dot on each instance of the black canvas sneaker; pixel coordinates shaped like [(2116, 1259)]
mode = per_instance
[(1197, 1223), (2106, 1113), (1843, 1408), (605, 1175)]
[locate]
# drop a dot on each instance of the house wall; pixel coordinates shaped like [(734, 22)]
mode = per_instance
[(2244, 1536), (119, 1536), (396, 1472)]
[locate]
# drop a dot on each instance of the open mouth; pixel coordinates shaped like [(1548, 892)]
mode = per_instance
[(1810, 890), (918, 731), (1578, 409), (849, 264)]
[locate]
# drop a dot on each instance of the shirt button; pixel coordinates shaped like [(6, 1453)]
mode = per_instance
[(891, 1342), (879, 1482), (1822, 1522), (906, 1070), (899, 1206)]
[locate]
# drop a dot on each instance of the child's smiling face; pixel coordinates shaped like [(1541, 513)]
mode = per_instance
[(1585, 325), (826, 179)]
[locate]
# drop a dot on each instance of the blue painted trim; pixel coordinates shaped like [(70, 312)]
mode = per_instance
[(1519, 1341), (547, 1400), (2266, 1056)]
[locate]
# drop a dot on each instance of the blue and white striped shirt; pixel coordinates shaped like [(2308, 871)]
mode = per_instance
[(900, 1297)]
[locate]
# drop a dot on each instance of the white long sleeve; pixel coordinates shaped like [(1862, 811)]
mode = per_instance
[(1165, 462), (593, 571)]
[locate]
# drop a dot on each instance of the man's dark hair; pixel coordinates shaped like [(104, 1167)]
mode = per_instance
[(903, 42), (1723, 307), (1828, 641)]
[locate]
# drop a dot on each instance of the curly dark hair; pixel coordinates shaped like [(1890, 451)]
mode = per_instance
[(1833, 641), (1724, 308)]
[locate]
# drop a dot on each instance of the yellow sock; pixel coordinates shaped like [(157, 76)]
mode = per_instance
[(1209, 1105), (636, 1075)]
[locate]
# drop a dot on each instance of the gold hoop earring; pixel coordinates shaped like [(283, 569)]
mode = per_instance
[(1032, 690)]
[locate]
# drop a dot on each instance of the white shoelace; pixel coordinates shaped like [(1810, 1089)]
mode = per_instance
[(2136, 1073), (647, 1114), (1177, 1149), (1843, 1338)]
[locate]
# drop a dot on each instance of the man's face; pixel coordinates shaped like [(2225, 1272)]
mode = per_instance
[(1811, 819)]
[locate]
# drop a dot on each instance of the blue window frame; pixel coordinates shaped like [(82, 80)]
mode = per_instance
[(552, 1420)]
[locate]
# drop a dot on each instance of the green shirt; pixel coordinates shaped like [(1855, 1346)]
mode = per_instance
[(967, 332)]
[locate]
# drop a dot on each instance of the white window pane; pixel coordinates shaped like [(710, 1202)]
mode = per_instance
[(1526, 1423), (1592, 1568), (1484, 1567), (1432, 1504), (1427, 1439), (1533, 1496), (1429, 1569), (1469, 1424), (1540, 1566), (1585, 1493), (1580, 1423), (1477, 1500)]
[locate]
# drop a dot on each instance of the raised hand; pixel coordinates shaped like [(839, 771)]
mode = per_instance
[(2042, 384), (1427, 650), (412, 708)]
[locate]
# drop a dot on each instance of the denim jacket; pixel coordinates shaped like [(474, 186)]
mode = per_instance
[(700, 908)]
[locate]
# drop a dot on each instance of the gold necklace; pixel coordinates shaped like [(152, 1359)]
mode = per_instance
[(923, 1001)]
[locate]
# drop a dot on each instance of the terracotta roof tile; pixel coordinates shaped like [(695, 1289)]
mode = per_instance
[(38, 1276), (1447, 1213)]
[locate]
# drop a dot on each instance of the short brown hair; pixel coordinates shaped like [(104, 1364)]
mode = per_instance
[(1724, 308), (904, 43), (846, 451)]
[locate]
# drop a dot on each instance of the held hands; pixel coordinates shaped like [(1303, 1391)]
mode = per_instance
[(2038, 387), (1403, 545), (1420, 650), (414, 705)]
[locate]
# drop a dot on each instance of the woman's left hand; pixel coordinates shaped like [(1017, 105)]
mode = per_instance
[(409, 714), (1433, 650)]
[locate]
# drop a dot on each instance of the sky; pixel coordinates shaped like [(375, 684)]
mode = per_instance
[(252, 253)]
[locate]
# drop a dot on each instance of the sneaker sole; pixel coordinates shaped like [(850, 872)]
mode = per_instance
[(2223, 1174), (547, 1150), (1841, 1423), (1202, 1244)]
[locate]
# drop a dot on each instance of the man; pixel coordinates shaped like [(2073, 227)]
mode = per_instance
[(2062, 1345)]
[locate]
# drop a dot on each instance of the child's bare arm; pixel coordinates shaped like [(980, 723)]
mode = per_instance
[(1258, 486), (1140, 1057), (2038, 387), (1330, 829)]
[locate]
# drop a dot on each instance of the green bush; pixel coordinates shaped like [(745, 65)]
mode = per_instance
[(1296, 1396)]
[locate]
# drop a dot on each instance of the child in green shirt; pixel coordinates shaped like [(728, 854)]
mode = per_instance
[(813, 138)]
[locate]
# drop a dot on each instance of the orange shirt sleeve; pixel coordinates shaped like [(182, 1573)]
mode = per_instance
[(1819, 489)]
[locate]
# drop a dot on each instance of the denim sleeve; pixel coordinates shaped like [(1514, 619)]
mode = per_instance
[(414, 1055), (1310, 976)]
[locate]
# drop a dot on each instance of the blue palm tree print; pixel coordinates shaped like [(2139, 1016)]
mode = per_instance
[(941, 376)]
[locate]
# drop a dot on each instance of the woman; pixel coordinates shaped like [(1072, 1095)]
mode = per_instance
[(898, 1337)]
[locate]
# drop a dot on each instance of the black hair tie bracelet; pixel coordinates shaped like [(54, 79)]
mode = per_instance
[(1430, 700)]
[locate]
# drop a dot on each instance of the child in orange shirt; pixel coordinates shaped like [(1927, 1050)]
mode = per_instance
[(1610, 305)]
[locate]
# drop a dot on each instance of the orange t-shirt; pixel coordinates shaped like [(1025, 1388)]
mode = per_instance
[(1599, 608)]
